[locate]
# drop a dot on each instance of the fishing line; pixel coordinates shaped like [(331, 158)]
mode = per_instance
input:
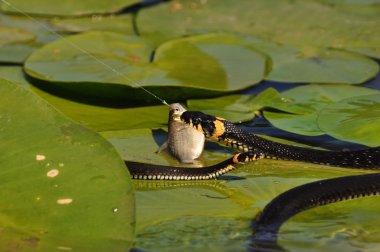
[(47, 28)]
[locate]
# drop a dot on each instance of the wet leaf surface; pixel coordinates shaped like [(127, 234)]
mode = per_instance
[(356, 119), (64, 7), (116, 65), (59, 181)]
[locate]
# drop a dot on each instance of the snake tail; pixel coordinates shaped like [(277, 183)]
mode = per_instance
[(162, 172)]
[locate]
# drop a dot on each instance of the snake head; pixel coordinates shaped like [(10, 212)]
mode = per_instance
[(200, 121)]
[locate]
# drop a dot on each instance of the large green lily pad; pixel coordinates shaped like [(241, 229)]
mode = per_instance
[(64, 7), (13, 35), (39, 28), (235, 108), (295, 110), (310, 24), (16, 53), (356, 119), (116, 23), (63, 187), (314, 97), (107, 117), (115, 66), (312, 64)]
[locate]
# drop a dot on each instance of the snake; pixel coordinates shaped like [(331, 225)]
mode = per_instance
[(266, 225), (252, 147)]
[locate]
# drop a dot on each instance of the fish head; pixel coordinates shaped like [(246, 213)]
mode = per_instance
[(175, 111)]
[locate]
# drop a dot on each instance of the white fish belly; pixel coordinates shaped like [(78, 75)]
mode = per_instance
[(186, 144)]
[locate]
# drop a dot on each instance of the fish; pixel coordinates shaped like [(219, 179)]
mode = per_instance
[(184, 142)]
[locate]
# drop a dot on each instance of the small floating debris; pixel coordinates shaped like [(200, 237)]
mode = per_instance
[(40, 157), (52, 173), (64, 201), (64, 248)]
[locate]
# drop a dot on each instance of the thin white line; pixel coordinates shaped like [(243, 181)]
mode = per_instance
[(129, 80)]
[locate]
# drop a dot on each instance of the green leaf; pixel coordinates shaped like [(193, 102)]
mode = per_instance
[(313, 97), (214, 61), (312, 64), (107, 117), (234, 107), (115, 23), (16, 53), (37, 27), (295, 110), (310, 24), (14, 35), (201, 66), (373, 52), (64, 7), (62, 186), (356, 119)]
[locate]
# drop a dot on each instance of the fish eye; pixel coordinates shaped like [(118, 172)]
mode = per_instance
[(177, 109)]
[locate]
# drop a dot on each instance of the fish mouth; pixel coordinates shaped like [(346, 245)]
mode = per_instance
[(175, 111)]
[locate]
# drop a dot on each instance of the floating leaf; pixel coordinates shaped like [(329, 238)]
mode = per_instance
[(16, 53), (373, 52), (39, 28), (116, 23), (60, 183), (235, 108), (311, 64), (14, 35), (314, 97), (207, 65), (295, 110), (64, 7), (356, 119), (267, 19), (108, 117)]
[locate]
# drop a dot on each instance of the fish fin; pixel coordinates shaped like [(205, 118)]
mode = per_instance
[(163, 147)]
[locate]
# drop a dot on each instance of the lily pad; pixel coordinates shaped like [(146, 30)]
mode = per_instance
[(295, 110), (64, 7), (115, 23), (235, 108), (39, 28), (266, 19), (16, 53), (14, 35), (314, 97), (312, 64), (107, 117), (373, 52), (356, 119), (63, 187), (115, 66)]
